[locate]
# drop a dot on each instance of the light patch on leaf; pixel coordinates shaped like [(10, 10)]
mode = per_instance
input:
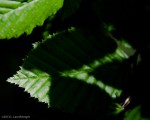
[(35, 82), (59, 58)]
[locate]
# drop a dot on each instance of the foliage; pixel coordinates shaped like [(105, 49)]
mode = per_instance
[(86, 59)]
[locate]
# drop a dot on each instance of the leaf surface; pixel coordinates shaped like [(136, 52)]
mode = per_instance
[(60, 71), (17, 17)]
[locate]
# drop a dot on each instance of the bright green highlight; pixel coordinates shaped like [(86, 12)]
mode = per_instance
[(25, 16), (35, 82)]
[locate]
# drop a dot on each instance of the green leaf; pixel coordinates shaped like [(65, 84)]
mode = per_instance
[(60, 71), (134, 114), (17, 17)]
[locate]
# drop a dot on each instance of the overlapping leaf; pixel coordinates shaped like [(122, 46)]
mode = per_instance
[(59, 71), (70, 7), (19, 17)]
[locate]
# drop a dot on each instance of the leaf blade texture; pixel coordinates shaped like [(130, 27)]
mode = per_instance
[(62, 66), (17, 18)]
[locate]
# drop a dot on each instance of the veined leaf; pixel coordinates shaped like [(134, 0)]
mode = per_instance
[(58, 71), (17, 18)]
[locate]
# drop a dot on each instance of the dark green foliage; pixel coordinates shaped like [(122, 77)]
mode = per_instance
[(89, 58)]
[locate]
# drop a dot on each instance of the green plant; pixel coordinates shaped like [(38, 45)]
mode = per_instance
[(81, 65)]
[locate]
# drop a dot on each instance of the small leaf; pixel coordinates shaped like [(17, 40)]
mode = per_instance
[(134, 114)]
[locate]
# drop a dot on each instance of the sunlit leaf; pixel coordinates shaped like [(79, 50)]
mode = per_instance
[(17, 17)]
